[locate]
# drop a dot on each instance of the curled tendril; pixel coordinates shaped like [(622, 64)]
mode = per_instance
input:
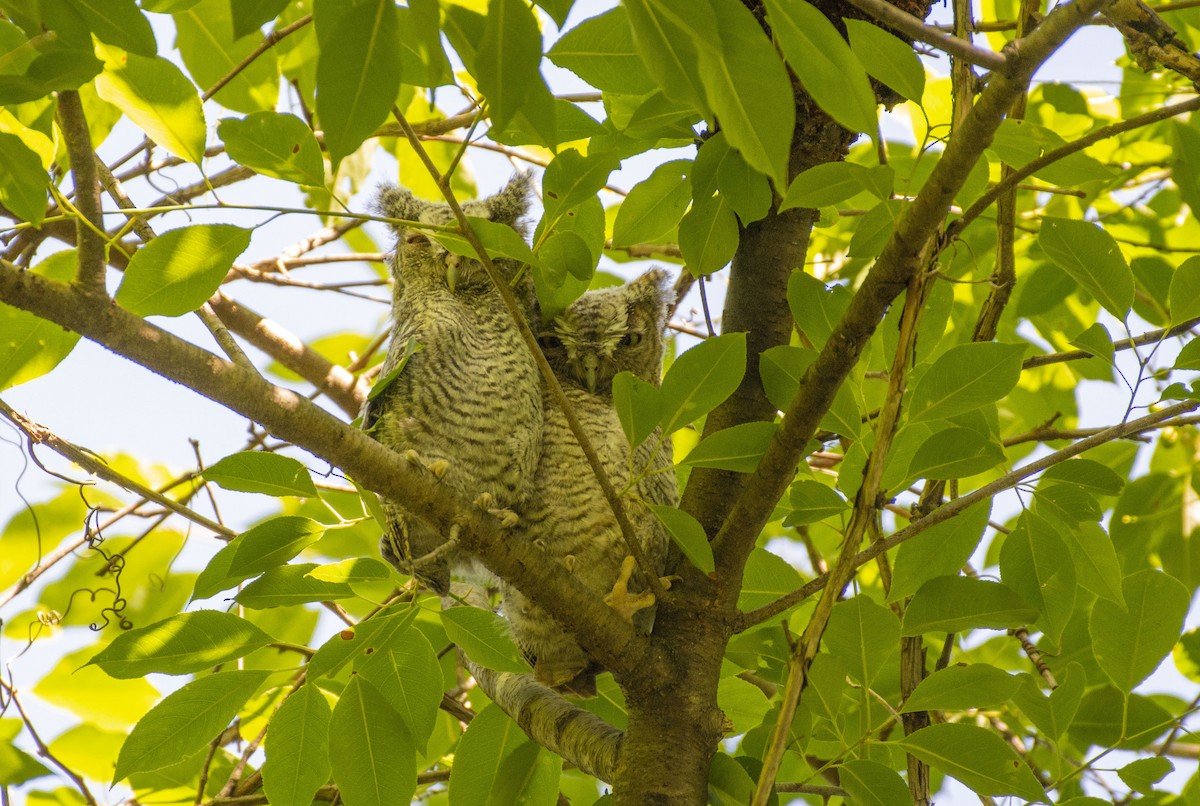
[(114, 564)]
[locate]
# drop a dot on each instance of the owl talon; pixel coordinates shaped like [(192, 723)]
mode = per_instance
[(620, 599), (508, 519), (485, 501), (438, 468)]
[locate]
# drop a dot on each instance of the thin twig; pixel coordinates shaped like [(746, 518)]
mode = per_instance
[(908, 24)]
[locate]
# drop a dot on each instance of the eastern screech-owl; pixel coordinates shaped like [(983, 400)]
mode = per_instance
[(468, 404), (601, 334)]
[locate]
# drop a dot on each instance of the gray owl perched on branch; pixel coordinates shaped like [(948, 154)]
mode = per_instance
[(601, 334), (467, 405)]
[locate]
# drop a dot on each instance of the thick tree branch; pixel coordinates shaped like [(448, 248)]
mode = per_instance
[(91, 275), (902, 257), (579, 736), (599, 629)]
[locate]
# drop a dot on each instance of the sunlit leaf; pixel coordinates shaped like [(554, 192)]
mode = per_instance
[(261, 472), (179, 270), (297, 748), (185, 721), (485, 638), (977, 757), (1130, 642), (274, 144), (183, 643), (688, 535), (965, 378), (738, 448), (1092, 258), (953, 603), (700, 379), (370, 752), (157, 97)]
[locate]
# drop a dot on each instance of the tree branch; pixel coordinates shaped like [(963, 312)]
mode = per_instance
[(579, 736), (92, 264)]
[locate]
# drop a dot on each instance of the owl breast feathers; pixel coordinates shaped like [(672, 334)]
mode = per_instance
[(567, 516), (467, 405)]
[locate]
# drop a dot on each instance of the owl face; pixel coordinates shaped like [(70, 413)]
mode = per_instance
[(608, 331), (421, 261)]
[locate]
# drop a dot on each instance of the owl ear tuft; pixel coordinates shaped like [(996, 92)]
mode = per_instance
[(512, 202), (397, 202), (653, 293)]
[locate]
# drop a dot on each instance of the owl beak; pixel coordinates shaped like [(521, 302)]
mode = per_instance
[(591, 363), (452, 275)]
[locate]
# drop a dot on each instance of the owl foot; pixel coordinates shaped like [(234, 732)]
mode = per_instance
[(437, 467), (487, 502), (620, 599)]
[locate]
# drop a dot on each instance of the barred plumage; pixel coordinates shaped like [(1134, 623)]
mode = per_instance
[(601, 334), (468, 403)]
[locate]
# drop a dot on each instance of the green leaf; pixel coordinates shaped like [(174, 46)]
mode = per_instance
[(708, 236), (370, 752), (1092, 258), (940, 550), (885, 57), (23, 180), (954, 604), (824, 63), (1185, 290), (567, 253), (506, 64), (977, 757), (406, 672), (250, 15), (875, 227), (261, 472), (185, 721), (729, 783), (767, 577), (1112, 718), (117, 22), (297, 762), (363, 640), (382, 383), (870, 783), (738, 448), (358, 70), (600, 50), (179, 270), (181, 644), (29, 345), (210, 51), (688, 534), (816, 307), (864, 635), (89, 694), (290, 585), (1036, 563), (572, 179), (965, 378), (957, 688), (700, 379), (743, 704), (1053, 714), (812, 501), (16, 766), (274, 144), (666, 49), (1086, 474), (1189, 356), (159, 100), (496, 765), (955, 453), (638, 405), (422, 56), (825, 185), (745, 84), (484, 636), (1141, 775), (1129, 643), (781, 369), (1096, 565), (651, 211), (1097, 341), (267, 545), (355, 569)]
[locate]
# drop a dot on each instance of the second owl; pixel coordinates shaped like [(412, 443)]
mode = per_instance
[(601, 334)]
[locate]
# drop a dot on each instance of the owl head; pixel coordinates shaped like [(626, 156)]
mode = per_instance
[(420, 260), (610, 330)]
